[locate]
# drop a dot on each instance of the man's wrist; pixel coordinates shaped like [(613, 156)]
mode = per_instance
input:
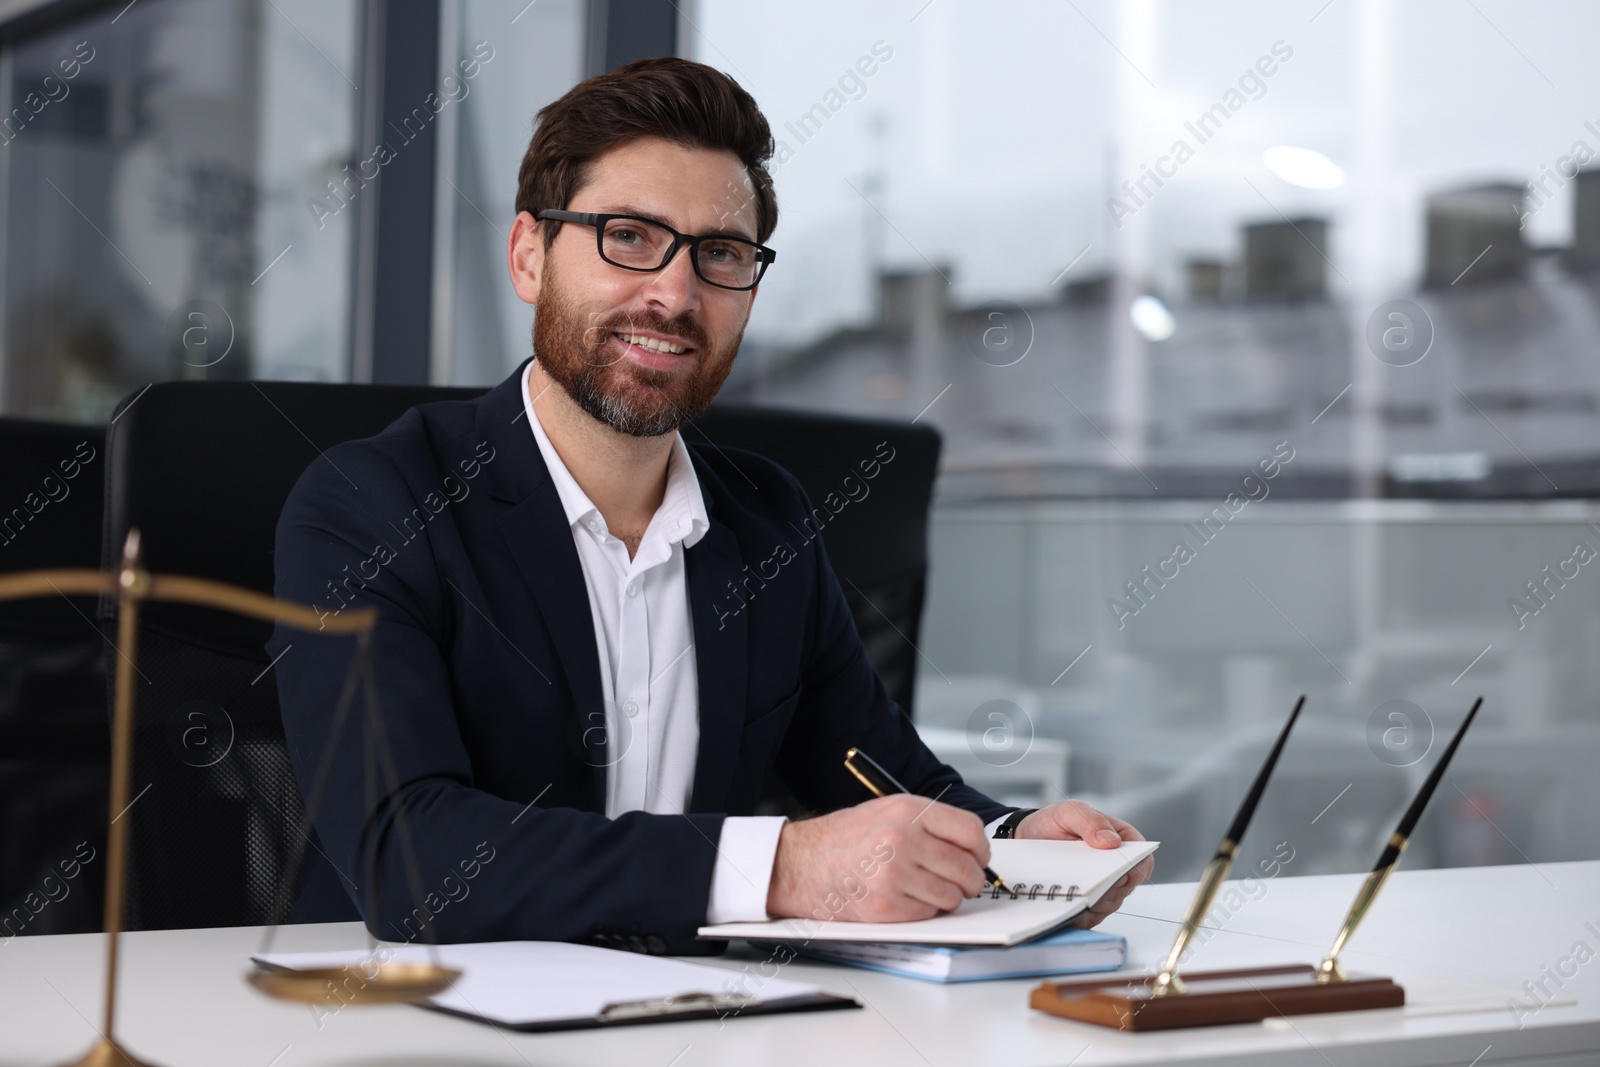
[(1008, 826)]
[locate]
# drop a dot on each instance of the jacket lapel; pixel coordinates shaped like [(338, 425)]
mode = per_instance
[(712, 567), (540, 541)]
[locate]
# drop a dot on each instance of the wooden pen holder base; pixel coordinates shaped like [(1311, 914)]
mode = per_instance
[(1213, 998)]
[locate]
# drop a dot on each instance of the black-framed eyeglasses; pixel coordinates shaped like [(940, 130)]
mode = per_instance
[(635, 243)]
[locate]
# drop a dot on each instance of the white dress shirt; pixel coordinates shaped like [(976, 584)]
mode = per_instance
[(645, 637)]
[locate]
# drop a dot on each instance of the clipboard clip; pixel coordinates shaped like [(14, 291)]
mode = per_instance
[(675, 1005)]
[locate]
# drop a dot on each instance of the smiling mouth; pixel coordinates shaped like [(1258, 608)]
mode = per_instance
[(651, 344)]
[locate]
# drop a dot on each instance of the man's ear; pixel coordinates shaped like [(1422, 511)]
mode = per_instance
[(525, 253)]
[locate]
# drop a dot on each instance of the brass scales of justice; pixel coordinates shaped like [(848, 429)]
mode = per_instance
[(1166, 1001), (372, 981)]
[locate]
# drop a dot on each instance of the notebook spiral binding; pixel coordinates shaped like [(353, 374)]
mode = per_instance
[(1031, 892)]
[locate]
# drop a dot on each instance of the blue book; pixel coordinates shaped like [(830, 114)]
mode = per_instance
[(1069, 951)]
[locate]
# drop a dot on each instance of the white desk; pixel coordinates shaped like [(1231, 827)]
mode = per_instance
[(184, 1001)]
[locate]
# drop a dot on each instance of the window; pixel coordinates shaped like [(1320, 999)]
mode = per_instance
[(162, 169), (539, 52)]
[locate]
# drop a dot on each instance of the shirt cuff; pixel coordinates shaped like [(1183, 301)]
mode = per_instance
[(742, 876), (990, 828)]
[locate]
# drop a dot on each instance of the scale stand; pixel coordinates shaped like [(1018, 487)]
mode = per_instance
[(130, 585)]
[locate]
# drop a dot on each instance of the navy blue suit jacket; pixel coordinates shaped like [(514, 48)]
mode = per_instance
[(485, 659)]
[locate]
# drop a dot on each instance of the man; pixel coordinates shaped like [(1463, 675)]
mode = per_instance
[(580, 728)]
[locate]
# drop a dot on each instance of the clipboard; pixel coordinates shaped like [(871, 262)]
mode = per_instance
[(684, 1007), (543, 986)]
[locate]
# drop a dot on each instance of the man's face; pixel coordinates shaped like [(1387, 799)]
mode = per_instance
[(588, 308)]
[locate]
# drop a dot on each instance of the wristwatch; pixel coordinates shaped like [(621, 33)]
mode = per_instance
[(1009, 827)]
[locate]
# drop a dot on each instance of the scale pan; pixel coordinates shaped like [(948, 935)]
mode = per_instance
[(387, 983)]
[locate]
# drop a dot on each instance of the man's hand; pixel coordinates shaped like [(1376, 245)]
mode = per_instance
[(892, 859), (1073, 820)]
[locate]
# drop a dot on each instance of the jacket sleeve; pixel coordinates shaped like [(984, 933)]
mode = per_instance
[(431, 855), (845, 705)]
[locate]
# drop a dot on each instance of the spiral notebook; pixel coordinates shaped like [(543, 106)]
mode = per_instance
[(1052, 882)]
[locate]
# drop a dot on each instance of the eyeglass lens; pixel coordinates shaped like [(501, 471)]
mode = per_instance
[(641, 245)]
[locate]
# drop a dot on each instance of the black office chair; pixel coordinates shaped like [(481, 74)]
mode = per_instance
[(203, 469), (54, 742)]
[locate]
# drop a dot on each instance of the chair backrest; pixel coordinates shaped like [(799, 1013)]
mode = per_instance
[(54, 745), (203, 469), (877, 528), (51, 485)]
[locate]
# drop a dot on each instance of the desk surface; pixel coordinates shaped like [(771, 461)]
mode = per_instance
[(184, 1001)]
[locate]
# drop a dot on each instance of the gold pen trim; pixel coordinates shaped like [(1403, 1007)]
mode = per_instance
[(1167, 981), (1330, 970), (850, 766)]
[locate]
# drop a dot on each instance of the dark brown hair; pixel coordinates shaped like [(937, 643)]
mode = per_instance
[(677, 100)]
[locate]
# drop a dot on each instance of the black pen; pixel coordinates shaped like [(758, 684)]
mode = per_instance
[(882, 783), (1166, 980), (1330, 970)]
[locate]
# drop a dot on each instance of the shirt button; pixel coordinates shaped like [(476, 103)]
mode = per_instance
[(633, 588), (631, 709), (594, 525)]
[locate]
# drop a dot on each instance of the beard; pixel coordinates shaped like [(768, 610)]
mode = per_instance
[(639, 401)]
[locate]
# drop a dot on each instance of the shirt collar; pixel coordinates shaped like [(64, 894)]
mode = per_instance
[(682, 514)]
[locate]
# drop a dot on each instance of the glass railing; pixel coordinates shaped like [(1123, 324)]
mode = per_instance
[(1165, 642)]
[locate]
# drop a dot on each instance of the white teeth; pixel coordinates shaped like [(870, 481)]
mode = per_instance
[(651, 343)]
